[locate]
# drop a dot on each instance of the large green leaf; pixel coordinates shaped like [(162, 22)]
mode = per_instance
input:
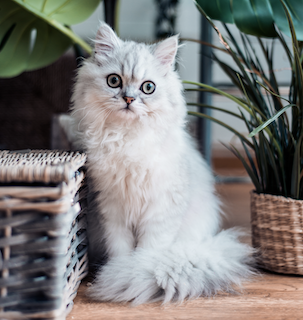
[(295, 8), (257, 17), (218, 10), (65, 11), (34, 34)]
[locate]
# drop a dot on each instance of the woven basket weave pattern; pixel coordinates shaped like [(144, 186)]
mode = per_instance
[(39, 166), (42, 233), (277, 229)]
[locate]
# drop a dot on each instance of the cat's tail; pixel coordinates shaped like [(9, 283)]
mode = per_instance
[(219, 263)]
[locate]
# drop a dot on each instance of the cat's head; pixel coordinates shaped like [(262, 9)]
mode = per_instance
[(125, 83)]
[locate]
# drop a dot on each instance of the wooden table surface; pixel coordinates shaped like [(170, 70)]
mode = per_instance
[(269, 296)]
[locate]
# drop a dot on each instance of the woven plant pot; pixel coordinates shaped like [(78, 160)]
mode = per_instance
[(277, 230), (42, 233)]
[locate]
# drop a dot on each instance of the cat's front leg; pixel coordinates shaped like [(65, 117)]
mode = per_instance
[(159, 229), (119, 238)]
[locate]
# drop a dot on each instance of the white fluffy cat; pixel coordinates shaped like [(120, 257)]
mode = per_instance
[(157, 216)]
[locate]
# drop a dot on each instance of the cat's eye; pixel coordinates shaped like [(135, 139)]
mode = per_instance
[(148, 87), (114, 81)]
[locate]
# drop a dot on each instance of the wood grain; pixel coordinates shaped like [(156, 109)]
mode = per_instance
[(268, 297)]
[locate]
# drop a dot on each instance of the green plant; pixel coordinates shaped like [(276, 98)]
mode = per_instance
[(35, 33), (256, 17), (273, 157)]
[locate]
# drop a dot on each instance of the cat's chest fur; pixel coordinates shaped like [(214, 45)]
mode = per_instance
[(131, 172)]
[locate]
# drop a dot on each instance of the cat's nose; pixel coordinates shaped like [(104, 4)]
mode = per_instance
[(128, 100)]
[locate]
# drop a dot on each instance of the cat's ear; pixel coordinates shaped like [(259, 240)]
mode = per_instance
[(166, 51), (106, 40)]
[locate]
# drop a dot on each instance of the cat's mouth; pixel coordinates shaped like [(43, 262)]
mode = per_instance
[(127, 108)]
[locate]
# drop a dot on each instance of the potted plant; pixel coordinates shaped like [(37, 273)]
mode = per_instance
[(273, 149)]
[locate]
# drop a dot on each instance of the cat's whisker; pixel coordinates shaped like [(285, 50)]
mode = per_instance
[(78, 110), (83, 118)]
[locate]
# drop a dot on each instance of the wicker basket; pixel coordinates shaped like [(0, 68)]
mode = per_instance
[(277, 230), (42, 233)]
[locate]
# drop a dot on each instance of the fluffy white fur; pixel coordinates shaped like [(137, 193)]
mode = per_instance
[(157, 216)]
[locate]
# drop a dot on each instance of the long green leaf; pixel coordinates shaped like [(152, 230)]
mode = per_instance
[(225, 94), (247, 98), (273, 93), (256, 149), (297, 62), (232, 74), (251, 161), (237, 133), (285, 47), (244, 66), (269, 121), (283, 122), (264, 164), (296, 171), (273, 164), (238, 62), (205, 44), (205, 90), (215, 108), (251, 174), (275, 141)]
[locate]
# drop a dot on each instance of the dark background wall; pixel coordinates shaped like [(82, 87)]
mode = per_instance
[(28, 103)]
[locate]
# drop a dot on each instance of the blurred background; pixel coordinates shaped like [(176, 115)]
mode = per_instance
[(30, 102)]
